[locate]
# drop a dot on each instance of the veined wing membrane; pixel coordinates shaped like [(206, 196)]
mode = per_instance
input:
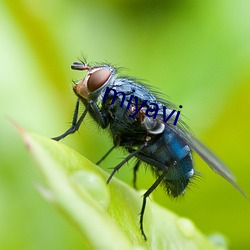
[(208, 156)]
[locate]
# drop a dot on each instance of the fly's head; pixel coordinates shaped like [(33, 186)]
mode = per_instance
[(95, 80)]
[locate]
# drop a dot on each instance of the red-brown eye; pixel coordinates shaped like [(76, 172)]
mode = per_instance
[(97, 79)]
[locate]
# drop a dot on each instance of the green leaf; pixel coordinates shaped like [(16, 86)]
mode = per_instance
[(107, 215)]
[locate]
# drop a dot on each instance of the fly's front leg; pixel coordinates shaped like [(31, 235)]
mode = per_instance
[(93, 109), (97, 114), (75, 123)]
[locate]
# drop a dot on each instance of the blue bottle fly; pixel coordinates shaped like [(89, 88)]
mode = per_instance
[(145, 125)]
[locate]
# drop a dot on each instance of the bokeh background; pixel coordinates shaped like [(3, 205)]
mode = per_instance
[(195, 52)]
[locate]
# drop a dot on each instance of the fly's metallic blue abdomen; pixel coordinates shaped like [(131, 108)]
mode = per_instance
[(173, 156)]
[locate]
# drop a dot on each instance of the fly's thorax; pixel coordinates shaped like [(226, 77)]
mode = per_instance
[(96, 80)]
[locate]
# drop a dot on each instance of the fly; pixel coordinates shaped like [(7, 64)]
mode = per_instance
[(154, 138)]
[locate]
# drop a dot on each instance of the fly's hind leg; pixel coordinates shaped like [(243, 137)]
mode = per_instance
[(145, 196), (135, 169)]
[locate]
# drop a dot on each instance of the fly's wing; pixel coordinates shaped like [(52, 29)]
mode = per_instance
[(208, 156)]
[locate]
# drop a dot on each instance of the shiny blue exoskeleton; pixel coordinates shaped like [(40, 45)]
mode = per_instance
[(167, 153), (165, 147)]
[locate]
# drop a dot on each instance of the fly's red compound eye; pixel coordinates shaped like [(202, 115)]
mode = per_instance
[(97, 79)]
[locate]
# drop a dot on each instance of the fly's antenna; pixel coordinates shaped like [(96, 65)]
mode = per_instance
[(80, 66)]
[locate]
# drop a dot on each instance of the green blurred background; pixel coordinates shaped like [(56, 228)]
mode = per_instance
[(195, 52)]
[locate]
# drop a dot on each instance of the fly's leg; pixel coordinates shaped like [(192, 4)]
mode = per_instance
[(95, 111), (136, 167), (91, 107), (75, 124), (145, 196), (125, 160), (105, 155)]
